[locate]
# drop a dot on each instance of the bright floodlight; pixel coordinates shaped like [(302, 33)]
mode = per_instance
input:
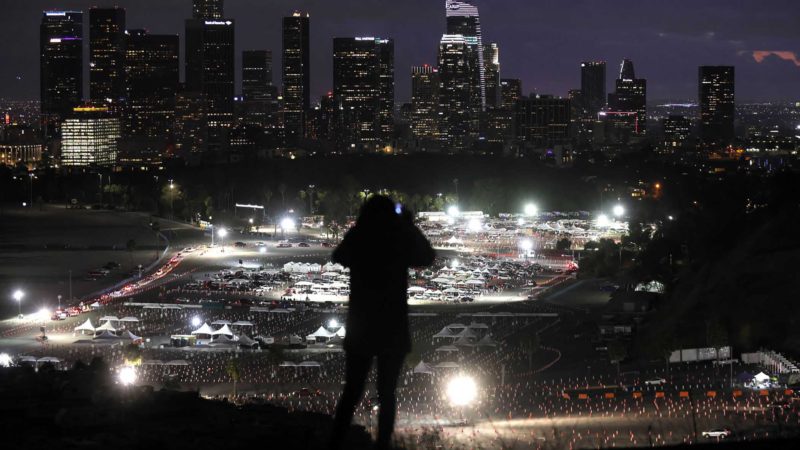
[(618, 210), (462, 390), (251, 221), (5, 360), (44, 313), (602, 221), (222, 232), (287, 223), (531, 209), (262, 250), (18, 294), (520, 222), (333, 323), (526, 245), (453, 211), (454, 263), (127, 376), (196, 321), (474, 225)]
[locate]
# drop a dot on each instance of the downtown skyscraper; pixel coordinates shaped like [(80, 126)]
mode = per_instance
[(106, 54), (210, 65), (463, 19), (61, 66), (629, 99), (425, 102), (458, 126), (716, 96), (296, 75), (363, 90), (593, 87)]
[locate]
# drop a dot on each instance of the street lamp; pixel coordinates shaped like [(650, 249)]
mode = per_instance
[(287, 224), (618, 210), (222, 233), (602, 221), (171, 199), (526, 245), (196, 321), (531, 210), (18, 294), (333, 323), (453, 211)]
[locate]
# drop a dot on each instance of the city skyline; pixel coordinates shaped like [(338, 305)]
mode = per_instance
[(670, 43)]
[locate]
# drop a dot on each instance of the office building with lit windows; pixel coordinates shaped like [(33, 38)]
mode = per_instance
[(61, 66), (89, 138), (106, 54), (296, 74), (716, 95), (425, 102)]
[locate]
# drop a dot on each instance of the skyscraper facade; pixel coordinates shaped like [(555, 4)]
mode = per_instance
[(542, 121), (717, 106), (296, 74), (256, 74), (491, 61), (510, 92), (106, 54), (463, 19), (363, 90), (593, 87), (61, 66), (207, 9), (425, 102), (630, 96), (151, 84), (459, 120)]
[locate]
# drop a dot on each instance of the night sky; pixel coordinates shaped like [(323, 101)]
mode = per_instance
[(541, 41)]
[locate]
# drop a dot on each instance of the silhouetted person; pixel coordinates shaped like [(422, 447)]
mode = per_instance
[(379, 249)]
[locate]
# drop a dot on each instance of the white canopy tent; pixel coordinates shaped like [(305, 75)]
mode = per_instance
[(204, 329), (445, 333), (221, 322), (242, 323), (341, 332), (487, 341), (225, 330), (447, 348), (106, 326), (177, 362), (109, 319), (423, 367), (448, 365), (129, 319), (86, 326)]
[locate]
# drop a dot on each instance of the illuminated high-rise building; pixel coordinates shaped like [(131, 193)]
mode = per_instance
[(510, 92), (459, 120), (89, 138), (106, 54), (296, 74), (210, 71), (61, 66), (151, 84), (256, 74), (717, 106), (425, 102), (677, 130), (542, 121), (363, 90), (630, 96), (593, 87), (207, 9), (491, 62), (463, 19)]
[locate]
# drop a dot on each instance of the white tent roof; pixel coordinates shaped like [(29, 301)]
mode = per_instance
[(85, 326), (204, 329), (478, 326), (109, 318), (322, 332), (153, 362), (129, 319), (27, 359), (761, 377), (341, 332), (245, 340), (221, 322), (106, 326), (464, 341), (448, 365), (309, 364), (243, 323), (106, 335), (416, 289), (447, 348), (445, 333), (456, 325), (95, 305), (177, 362), (423, 367), (128, 335), (224, 330), (288, 364), (50, 359)]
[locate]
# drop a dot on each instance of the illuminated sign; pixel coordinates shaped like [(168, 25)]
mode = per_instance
[(90, 109), (218, 22)]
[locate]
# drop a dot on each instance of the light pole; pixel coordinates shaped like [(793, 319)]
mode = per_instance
[(222, 233), (18, 294), (59, 301), (311, 188), (171, 199), (30, 176), (101, 187)]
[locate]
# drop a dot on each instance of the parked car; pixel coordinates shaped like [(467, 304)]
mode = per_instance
[(239, 244), (655, 382), (304, 244), (719, 433), (284, 245)]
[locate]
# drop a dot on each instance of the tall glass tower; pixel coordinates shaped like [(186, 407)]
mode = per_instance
[(462, 18)]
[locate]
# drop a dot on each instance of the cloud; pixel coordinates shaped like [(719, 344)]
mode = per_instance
[(760, 55)]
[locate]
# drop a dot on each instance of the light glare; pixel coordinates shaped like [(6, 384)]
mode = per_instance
[(462, 390)]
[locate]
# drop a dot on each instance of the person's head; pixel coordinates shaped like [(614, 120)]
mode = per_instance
[(378, 211)]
